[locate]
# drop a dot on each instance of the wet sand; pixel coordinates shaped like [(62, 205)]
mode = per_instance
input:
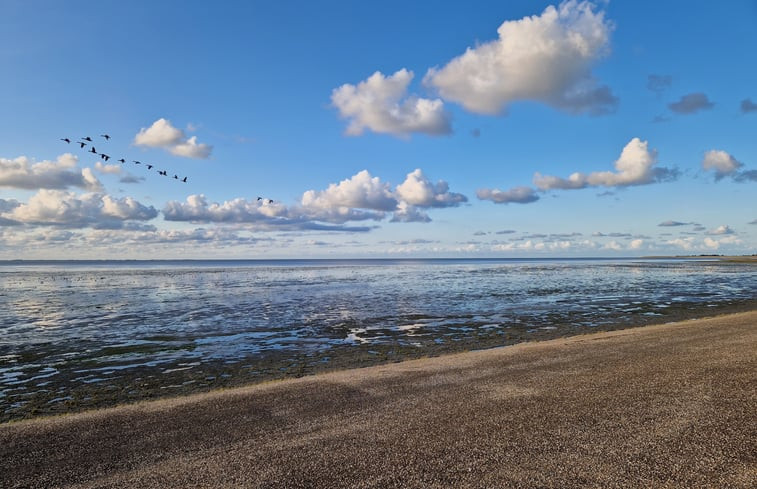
[(670, 405)]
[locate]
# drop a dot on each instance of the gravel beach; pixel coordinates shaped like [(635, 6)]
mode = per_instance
[(670, 405)]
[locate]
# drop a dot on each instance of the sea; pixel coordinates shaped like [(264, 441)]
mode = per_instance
[(81, 334)]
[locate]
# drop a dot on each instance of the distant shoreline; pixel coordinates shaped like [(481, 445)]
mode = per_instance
[(726, 258), (379, 260)]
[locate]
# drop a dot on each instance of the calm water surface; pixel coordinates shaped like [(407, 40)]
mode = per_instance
[(68, 325)]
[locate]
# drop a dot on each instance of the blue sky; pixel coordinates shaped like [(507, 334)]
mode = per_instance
[(517, 128)]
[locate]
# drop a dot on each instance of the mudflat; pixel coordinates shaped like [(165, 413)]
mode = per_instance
[(671, 405)]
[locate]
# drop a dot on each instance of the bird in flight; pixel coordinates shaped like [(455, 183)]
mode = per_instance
[(87, 139), (122, 161), (106, 136), (66, 140), (270, 201), (149, 167), (104, 156), (162, 172), (92, 150), (81, 145), (260, 198), (137, 162), (184, 179)]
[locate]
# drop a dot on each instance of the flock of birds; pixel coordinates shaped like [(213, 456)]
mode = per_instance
[(88, 141)]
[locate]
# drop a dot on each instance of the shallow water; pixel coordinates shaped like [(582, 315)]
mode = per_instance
[(67, 326)]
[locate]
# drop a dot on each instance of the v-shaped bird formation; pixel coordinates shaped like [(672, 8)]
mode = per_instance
[(88, 141)]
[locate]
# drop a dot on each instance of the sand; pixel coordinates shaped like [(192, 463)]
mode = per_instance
[(671, 405)]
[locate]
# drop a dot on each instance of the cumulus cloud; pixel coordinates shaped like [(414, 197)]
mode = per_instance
[(691, 103), (23, 173), (364, 196), (517, 195), (198, 209), (636, 166), (545, 58), (67, 209), (260, 213), (409, 213), (725, 165), (358, 198), (162, 134), (722, 163), (191, 149), (748, 106), (381, 104), (636, 244), (683, 243), (721, 231), (714, 244), (659, 83), (107, 169), (419, 191)]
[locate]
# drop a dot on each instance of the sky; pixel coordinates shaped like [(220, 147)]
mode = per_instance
[(342, 129)]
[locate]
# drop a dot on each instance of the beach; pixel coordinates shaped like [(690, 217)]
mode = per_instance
[(669, 405)]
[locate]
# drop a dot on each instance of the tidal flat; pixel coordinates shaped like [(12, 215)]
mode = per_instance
[(83, 336)]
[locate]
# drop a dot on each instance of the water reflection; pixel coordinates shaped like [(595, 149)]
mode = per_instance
[(94, 324)]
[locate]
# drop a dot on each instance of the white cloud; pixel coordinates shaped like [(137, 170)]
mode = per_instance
[(519, 195), (636, 244), (409, 213), (162, 134), (545, 58), (711, 243), (418, 190), (364, 196), (24, 173), (191, 149), (107, 169), (682, 243), (358, 198), (381, 104), (67, 209), (259, 213), (721, 163), (636, 166), (198, 209), (349, 199), (725, 165), (721, 230)]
